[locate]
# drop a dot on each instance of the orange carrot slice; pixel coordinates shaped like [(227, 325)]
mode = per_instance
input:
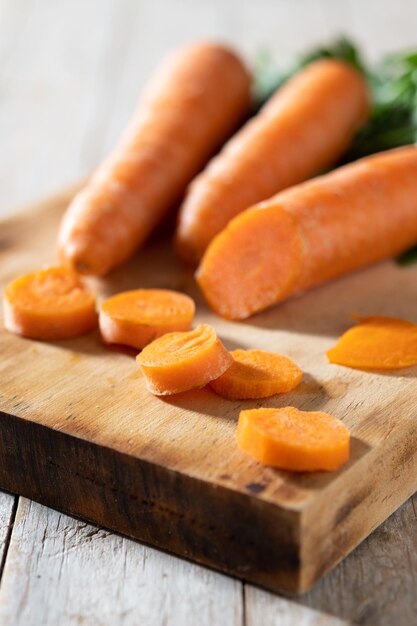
[(49, 304), (313, 232), (383, 343), (257, 374), (287, 438), (302, 129), (195, 101), (180, 361), (135, 318)]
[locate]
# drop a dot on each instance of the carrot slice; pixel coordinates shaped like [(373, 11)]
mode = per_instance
[(195, 101), (257, 374), (287, 438), (378, 342), (135, 318), (313, 232), (303, 129), (49, 304), (180, 361)]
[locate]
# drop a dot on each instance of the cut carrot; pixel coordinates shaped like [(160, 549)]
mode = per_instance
[(49, 304), (257, 374), (383, 343), (196, 100), (135, 318), (305, 127), (287, 438), (180, 361), (359, 214)]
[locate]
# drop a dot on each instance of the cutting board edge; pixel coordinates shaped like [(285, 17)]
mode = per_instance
[(270, 559), (357, 504)]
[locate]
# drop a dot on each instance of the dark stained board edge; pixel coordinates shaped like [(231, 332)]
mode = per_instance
[(235, 533)]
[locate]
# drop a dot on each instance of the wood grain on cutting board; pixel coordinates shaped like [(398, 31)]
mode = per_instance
[(80, 432)]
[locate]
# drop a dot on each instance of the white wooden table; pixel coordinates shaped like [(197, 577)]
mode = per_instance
[(70, 71)]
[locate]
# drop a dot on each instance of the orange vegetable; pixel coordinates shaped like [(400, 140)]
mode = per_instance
[(287, 438), (257, 374), (180, 361), (383, 343), (196, 100), (135, 318), (49, 304), (304, 128), (359, 214)]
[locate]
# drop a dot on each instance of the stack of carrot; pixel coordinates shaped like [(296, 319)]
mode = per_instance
[(259, 232)]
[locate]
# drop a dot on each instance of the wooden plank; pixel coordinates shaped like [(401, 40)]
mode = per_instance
[(60, 571), (100, 446), (271, 610), (8, 505)]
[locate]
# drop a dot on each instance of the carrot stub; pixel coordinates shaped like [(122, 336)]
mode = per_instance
[(195, 101), (180, 361), (135, 318), (303, 128), (257, 374), (356, 215), (294, 440), (49, 304), (383, 343)]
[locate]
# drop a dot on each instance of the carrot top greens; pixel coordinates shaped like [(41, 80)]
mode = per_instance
[(393, 84)]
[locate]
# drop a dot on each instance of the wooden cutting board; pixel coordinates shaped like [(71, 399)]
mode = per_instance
[(80, 433)]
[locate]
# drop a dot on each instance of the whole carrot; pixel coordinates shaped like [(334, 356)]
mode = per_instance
[(359, 214), (194, 102), (304, 128)]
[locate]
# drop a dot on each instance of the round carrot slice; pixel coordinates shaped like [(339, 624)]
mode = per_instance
[(295, 440), (49, 304), (135, 318), (180, 361), (383, 343), (257, 374)]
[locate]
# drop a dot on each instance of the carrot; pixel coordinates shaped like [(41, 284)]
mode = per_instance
[(359, 214), (180, 361), (287, 438), (306, 126), (383, 343), (195, 101), (257, 374), (49, 304), (135, 318)]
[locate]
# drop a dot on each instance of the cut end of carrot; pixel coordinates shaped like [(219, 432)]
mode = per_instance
[(238, 274), (181, 361), (257, 374), (49, 304), (377, 342), (295, 440), (135, 318)]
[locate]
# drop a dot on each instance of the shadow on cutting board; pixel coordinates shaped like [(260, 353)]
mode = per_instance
[(310, 393), (384, 289)]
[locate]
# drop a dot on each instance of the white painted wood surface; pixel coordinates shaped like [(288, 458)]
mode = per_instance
[(266, 609), (62, 571), (7, 512), (70, 73)]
